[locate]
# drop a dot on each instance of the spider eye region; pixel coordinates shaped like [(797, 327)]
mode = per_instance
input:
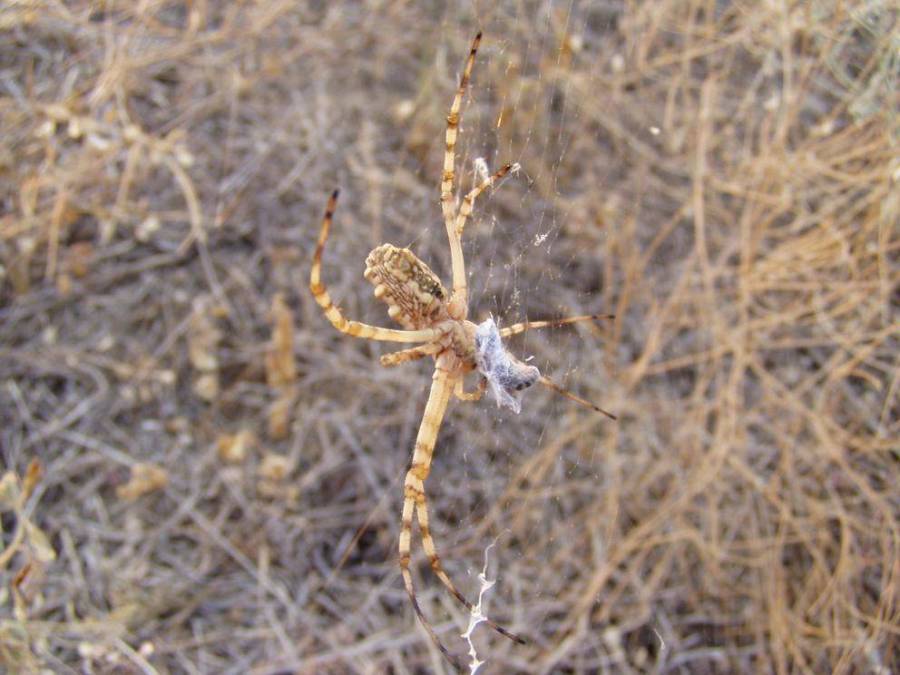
[(413, 293)]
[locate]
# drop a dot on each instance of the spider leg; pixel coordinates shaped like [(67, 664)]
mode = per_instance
[(517, 328), (463, 395), (465, 209), (411, 354), (414, 486), (449, 175), (354, 328), (550, 384), (438, 569)]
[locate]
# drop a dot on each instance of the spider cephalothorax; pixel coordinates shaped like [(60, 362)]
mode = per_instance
[(436, 320)]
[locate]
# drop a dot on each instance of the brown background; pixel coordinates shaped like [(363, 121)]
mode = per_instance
[(219, 496)]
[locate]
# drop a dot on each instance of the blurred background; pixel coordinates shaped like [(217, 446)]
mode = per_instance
[(203, 476)]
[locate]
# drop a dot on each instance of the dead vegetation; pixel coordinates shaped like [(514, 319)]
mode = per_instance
[(221, 469)]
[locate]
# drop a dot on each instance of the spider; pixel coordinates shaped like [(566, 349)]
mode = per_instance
[(437, 319)]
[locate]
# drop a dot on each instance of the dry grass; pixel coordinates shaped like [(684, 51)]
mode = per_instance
[(220, 494)]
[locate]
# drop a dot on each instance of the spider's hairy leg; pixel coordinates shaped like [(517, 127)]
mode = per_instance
[(411, 354), (517, 328), (438, 569), (468, 202), (448, 176), (460, 392), (354, 328), (414, 485)]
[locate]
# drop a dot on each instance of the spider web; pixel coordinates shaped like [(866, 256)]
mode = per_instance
[(498, 475)]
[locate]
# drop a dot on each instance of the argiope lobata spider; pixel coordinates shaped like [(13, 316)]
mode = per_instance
[(431, 316)]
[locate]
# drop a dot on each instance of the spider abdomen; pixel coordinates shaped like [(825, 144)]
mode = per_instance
[(413, 293)]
